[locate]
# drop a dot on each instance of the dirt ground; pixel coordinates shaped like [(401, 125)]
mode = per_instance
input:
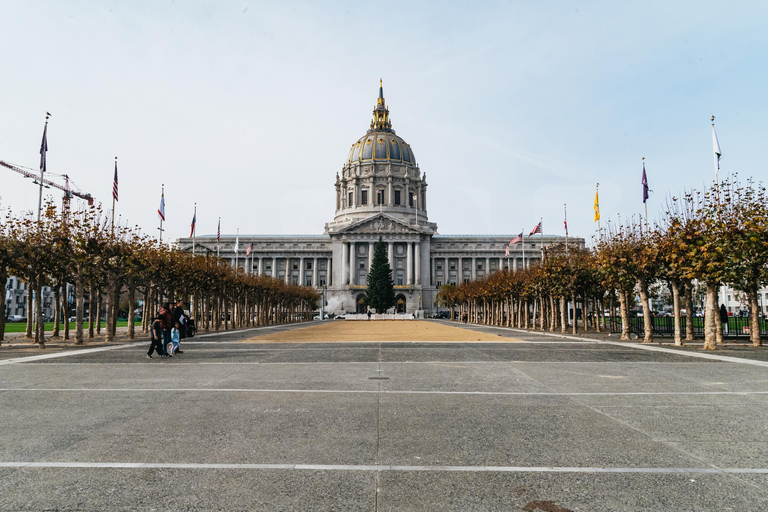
[(376, 330)]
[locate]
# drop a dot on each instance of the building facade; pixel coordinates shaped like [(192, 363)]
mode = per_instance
[(381, 193)]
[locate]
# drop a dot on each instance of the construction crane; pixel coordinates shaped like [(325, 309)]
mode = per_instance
[(68, 193)]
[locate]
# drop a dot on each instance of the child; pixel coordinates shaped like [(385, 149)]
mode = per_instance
[(175, 338)]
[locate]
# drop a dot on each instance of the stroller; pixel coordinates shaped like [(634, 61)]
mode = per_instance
[(191, 327)]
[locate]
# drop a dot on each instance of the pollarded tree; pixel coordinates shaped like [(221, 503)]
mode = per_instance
[(380, 294)]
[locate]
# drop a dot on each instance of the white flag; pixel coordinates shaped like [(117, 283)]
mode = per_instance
[(716, 147), (237, 244)]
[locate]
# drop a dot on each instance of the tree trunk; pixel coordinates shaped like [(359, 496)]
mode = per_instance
[(688, 311), (131, 308), (65, 308), (92, 313), (596, 313), (3, 280), (674, 284), (642, 289), (99, 305), (56, 310), (624, 305), (711, 318), (754, 317), (111, 307), (563, 314), (575, 329), (79, 306), (40, 335), (30, 309)]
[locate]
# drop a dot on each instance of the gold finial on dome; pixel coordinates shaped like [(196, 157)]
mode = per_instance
[(381, 120)]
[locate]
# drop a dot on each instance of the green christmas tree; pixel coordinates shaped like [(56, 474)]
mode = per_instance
[(381, 289)]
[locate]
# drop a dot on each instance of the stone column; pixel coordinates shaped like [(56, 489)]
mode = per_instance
[(391, 254), (302, 271), (514, 264), (473, 259), (417, 262), (274, 267), (261, 265), (287, 270), (314, 272), (345, 263), (328, 271), (487, 266), (370, 255), (409, 265), (389, 190)]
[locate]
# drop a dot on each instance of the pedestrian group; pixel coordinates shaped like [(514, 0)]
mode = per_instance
[(168, 329)]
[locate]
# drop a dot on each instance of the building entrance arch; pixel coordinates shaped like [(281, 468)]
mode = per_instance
[(361, 306), (400, 304)]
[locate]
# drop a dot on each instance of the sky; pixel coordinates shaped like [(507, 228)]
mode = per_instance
[(513, 109)]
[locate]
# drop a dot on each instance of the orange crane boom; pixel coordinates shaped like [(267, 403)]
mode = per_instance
[(67, 192)]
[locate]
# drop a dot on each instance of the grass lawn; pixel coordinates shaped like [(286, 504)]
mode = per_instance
[(22, 326)]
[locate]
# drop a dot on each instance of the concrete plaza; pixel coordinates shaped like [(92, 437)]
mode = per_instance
[(238, 423)]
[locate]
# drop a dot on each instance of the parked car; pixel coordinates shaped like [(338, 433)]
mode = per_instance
[(15, 318)]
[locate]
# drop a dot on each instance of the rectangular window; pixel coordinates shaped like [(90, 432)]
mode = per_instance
[(308, 282), (400, 263), (349, 200), (309, 265), (295, 265), (295, 280), (397, 197), (399, 281), (362, 265), (453, 265), (410, 200), (465, 264), (322, 282), (364, 198), (466, 279), (439, 284), (268, 266), (439, 265), (380, 196)]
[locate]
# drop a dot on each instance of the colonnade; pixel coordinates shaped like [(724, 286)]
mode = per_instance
[(412, 260)]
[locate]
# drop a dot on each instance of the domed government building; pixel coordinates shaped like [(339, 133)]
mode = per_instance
[(381, 192)]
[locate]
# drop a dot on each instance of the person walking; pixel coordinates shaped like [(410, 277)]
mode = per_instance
[(167, 318), (724, 318), (175, 338), (180, 318), (156, 338)]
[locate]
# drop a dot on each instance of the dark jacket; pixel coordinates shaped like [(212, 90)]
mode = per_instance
[(167, 318), (157, 330), (723, 315), (178, 311)]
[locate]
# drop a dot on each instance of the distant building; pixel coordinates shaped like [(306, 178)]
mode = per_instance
[(381, 193)]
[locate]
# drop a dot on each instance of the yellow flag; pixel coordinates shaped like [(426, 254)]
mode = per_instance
[(597, 208)]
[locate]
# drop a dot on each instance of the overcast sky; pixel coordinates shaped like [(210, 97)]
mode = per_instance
[(249, 108)]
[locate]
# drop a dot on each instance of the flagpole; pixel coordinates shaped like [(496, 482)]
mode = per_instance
[(113, 202), (218, 239), (522, 238), (237, 246), (194, 230), (597, 211), (541, 226), (716, 150), (565, 216), (162, 198), (43, 164), (645, 202)]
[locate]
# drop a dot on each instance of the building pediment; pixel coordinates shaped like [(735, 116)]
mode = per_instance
[(379, 224)]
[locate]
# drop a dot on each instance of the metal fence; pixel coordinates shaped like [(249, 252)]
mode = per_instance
[(737, 327)]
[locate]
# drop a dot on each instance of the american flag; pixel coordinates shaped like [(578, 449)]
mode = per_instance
[(248, 250), (518, 238), (537, 229), (218, 233), (114, 185), (506, 255), (194, 221)]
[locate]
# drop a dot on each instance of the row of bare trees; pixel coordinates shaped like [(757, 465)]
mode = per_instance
[(114, 264), (710, 238)]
